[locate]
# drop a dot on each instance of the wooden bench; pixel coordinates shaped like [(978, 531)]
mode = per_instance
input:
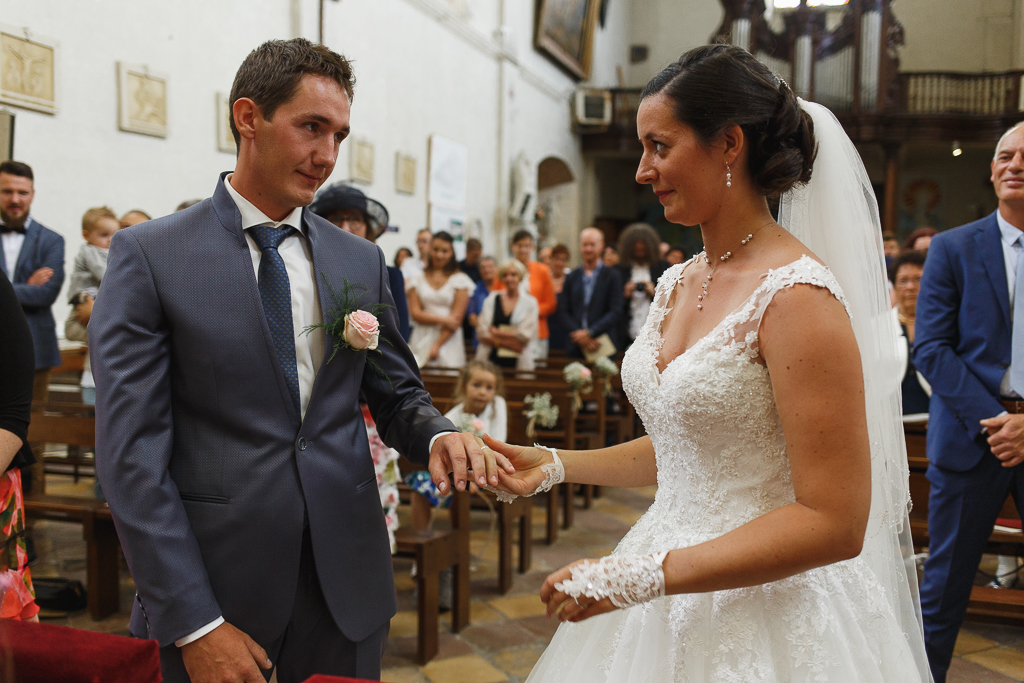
[(103, 592), (435, 551), (987, 604)]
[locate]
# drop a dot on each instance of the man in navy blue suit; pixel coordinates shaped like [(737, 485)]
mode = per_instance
[(592, 300), (32, 257), (970, 347)]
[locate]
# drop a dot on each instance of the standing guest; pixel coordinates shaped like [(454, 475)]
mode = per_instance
[(136, 216), (438, 297), (33, 260), (610, 257), (544, 256), (225, 465), (411, 266), (640, 269), (920, 239), (507, 329), (676, 255), (663, 248), (592, 301), (558, 335), (969, 345), (187, 203), (537, 283), (891, 247), (400, 256), (16, 378), (471, 264), (488, 274), (352, 211), (905, 275)]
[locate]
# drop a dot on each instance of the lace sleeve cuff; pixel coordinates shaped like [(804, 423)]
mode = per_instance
[(554, 474), (625, 580)]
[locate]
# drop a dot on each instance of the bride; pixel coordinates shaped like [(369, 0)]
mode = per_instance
[(777, 547)]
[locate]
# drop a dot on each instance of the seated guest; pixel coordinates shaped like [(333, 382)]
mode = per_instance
[(480, 393), (488, 273), (352, 211), (592, 299), (187, 203), (640, 269), (920, 239), (507, 328), (134, 217), (558, 336), (471, 264), (905, 275), (438, 297), (675, 255)]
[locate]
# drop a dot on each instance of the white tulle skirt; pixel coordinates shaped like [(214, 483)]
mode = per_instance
[(828, 624)]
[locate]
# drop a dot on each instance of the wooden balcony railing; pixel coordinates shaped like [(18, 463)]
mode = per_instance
[(990, 94)]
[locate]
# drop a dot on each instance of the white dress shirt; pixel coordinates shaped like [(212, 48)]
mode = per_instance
[(12, 242), (1009, 235)]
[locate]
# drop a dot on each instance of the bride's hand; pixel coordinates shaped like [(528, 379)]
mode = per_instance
[(574, 610), (527, 463)]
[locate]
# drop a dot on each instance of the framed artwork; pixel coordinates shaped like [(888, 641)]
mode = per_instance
[(361, 161), (405, 173), (565, 33), (28, 75), (6, 135), (225, 140), (142, 100)]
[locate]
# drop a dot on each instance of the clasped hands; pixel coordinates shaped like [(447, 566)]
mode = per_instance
[(1006, 438), (583, 339)]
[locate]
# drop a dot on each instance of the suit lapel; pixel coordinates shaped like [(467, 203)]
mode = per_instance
[(3, 263), (990, 248), (24, 266)]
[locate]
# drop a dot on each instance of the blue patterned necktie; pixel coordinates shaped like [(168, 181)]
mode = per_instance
[(1017, 339), (276, 294)]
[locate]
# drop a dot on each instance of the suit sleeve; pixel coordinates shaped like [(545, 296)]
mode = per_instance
[(131, 361), (612, 316), (51, 256), (936, 331), (565, 307), (406, 419)]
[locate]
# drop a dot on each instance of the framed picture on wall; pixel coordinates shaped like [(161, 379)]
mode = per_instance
[(6, 135), (405, 173), (565, 33), (225, 139), (361, 161), (142, 100), (28, 76)]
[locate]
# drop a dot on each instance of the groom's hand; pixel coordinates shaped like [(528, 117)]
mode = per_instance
[(225, 655), (458, 452)]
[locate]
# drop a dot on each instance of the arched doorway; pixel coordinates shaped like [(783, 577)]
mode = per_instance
[(557, 214)]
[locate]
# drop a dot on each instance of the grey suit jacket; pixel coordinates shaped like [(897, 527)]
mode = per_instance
[(206, 465)]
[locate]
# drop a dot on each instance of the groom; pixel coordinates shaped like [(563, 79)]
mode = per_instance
[(230, 444)]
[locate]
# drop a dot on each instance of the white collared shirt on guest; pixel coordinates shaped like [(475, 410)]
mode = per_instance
[(1008, 236), (298, 262), (12, 242)]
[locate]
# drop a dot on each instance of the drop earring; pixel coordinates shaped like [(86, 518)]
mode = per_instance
[(728, 176)]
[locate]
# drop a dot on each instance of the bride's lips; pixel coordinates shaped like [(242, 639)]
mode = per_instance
[(662, 195)]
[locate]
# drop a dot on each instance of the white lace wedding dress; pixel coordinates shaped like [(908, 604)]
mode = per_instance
[(722, 462)]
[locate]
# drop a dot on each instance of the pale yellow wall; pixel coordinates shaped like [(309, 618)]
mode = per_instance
[(966, 35), (669, 28)]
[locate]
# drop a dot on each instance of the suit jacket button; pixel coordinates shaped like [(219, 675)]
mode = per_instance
[(302, 443)]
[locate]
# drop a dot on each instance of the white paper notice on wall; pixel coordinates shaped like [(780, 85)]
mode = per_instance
[(449, 165), (453, 222)]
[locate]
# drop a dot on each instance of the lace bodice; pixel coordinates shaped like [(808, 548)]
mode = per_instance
[(712, 418)]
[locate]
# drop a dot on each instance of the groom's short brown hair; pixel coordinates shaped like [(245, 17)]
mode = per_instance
[(271, 74)]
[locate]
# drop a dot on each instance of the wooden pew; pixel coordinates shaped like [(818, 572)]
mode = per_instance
[(72, 424), (988, 604)]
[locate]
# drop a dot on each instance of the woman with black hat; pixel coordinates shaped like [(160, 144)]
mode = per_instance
[(352, 211)]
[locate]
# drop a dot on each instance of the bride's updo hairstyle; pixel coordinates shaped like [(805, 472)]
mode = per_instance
[(714, 87)]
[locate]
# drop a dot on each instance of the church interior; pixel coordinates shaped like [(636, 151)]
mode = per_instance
[(484, 119)]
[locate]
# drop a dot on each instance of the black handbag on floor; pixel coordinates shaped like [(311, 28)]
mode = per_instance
[(62, 595)]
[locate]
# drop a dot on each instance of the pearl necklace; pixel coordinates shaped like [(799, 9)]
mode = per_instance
[(721, 259)]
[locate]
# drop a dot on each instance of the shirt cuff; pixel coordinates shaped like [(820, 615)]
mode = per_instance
[(196, 635), (436, 437)]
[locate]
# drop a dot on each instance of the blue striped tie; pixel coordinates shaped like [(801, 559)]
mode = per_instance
[(276, 294), (1017, 340)]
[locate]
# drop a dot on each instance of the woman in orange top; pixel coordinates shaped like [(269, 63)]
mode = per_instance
[(537, 284)]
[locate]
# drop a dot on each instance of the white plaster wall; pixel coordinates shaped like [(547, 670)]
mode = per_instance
[(969, 35), (670, 28)]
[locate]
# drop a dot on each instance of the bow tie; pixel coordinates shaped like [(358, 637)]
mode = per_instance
[(4, 229)]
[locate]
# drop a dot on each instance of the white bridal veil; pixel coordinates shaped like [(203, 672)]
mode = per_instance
[(836, 216)]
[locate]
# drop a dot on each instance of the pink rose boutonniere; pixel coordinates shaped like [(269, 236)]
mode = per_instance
[(351, 326)]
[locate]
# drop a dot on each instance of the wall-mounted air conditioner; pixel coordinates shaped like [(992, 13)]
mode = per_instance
[(592, 107)]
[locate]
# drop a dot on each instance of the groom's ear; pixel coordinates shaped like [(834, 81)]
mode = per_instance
[(245, 112)]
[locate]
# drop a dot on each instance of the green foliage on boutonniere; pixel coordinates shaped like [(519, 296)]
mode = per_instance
[(358, 335)]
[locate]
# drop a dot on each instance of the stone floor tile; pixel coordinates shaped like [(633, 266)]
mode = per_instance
[(497, 636), (468, 669), (480, 613), (403, 624), (1006, 661), (405, 674), (518, 661), (543, 626), (963, 671), (517, 606), (967, 642)]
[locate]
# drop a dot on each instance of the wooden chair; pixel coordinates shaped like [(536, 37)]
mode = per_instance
[(435, 551), (71, 424)]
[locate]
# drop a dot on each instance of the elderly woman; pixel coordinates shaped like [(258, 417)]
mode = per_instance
[(641, 266), (507, 328), (905, 275), (352, 211)]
